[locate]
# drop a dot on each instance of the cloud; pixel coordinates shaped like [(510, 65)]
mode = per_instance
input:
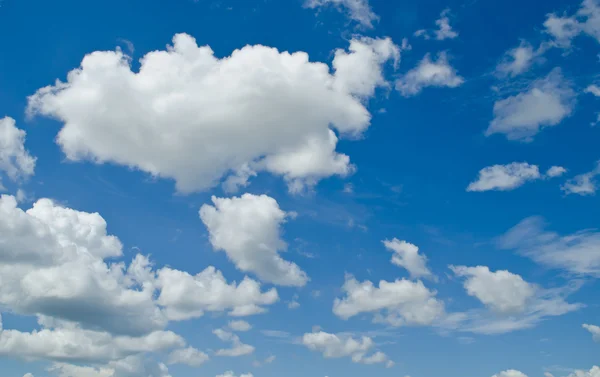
[(15, 160), (555, 171), (231, 374), (407, 255), (261, 110), (546, 103), (594, 330), (239, 326), (237, 347), (510, 373), (344, 345), (132, 366), (444, 30), (75, 344), (564, 29), (511, 302), (429, 73), (518, 60), (583, 184), (247, 229), (593, 89), (358, 10), (188, 356), (505, 177), (594, 372), (188, 296), (577, 253), (502, 291), (397, 303)]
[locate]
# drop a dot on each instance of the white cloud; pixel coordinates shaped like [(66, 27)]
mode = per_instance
[(443, 31), (594, 330), (429, 73), (231, 374), (512, 303), (504, 177), (546, 103), (502, 291), (358, 10), (188, 356), (132, 366), (555, 171), (241, 326), (577, 253), (517, 60), (237, 347), (564, 29), (583, 184), (28, 375), (594, 372), (75, 344), (343, 345), (407, 255), (593, 89), (247, 229), (15, 160), (510, 373), (261, 109), (397, 303), (188, 296)]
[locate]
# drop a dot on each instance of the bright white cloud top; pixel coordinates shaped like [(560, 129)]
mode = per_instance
[(429, 73)]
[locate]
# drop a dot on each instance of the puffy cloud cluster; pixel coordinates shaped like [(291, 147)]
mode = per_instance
[(545, 103), (195, 118), (565, 28), (511, 176), (237, 347), (344, 345), (397, 303), (15, 160), (247, 229), (429, 73), (132, 366)]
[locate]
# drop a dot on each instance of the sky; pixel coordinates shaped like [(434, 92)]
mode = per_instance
[(299, 188)]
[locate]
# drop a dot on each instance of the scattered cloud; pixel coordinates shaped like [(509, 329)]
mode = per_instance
[(594, 330), (15, 160), (429, 73), (519, 60), (594, 372), (357, 10), (443, 31), (237, 347), (241, 326), (188, 356), (247, 229), (407, 255), (343, 345), (510, 373), (583, 184), (545, 104), (564, 29), (505, 177)]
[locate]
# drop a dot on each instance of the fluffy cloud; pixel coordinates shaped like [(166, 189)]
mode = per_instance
[(75, 344), (517, 60), (564, 29), (247, 229), (336, 346), (231, 374), (15, 160), (188, 296), (510, 373), (594, 330), (504, 177), (593, 89), (577, 253), (237, 347), (358, 10), (239, 326), (132, 366), (594, 372), (444, 30), (555, 171), (502, 291), (583, 184), (260, 109), (407, 255), (546, 103), (438, 73), (188, 356), (511, 303), (397, 303)]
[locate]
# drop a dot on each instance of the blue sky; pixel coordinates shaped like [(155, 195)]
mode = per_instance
[(299, 188)]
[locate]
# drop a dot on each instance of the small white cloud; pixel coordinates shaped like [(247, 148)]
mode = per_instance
[(593, 89), (583, 184), (510, 373), (594, 330), (594, 372), (231, 374), (237, 347), (555, 171), (15, 160), (357, 10), (443, 31), (517, 60), (336, 346), (188, 356), (565, 28), (407, 255), (241, 326), (504, 177), (546, 103), (429, 73)]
